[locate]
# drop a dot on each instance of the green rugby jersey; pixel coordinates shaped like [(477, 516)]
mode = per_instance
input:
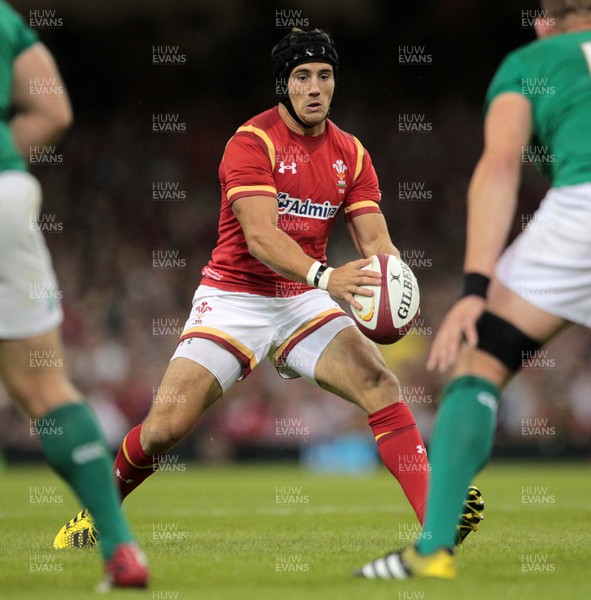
[(554, 74), (15, 36)]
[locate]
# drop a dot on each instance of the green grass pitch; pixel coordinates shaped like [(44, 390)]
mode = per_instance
[(279, 532)]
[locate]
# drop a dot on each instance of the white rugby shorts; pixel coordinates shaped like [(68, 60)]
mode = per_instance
[(30, 302), (229, 333), (549, 263)]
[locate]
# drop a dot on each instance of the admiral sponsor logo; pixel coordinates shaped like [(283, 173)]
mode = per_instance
[(167, 123), (168, 55), (210, 273), (306, 208), (414, 55), (413, 123)]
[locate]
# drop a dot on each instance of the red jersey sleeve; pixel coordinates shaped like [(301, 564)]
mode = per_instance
[(365, 195), (247, 165)]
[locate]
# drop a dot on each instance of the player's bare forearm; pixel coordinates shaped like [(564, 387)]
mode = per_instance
[(370, 235), (492, 195), (275, 249), (282, 254), (492, 201), (268, 243), (34, 130)]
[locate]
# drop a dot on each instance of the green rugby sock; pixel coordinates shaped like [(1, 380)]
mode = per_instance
[(74, 446), (461, 443)]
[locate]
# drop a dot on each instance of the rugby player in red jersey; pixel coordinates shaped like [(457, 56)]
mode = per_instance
[(287, 174)]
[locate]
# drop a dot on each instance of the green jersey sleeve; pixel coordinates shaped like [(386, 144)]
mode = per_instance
[(17, 35), (26, 37), (508, 78)]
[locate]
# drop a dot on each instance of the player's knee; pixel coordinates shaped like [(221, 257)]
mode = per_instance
[(505, 342), (40, 396), (379, 388), (160, 437)]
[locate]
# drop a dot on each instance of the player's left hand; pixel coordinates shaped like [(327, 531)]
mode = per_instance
[(458, 326)]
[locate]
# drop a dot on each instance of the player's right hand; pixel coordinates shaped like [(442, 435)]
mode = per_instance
[(348, 280), (459, 325)]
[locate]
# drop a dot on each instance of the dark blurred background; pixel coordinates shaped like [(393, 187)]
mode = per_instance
[(123, 315)]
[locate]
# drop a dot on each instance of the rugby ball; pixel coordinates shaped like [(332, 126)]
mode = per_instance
[(390, 313)]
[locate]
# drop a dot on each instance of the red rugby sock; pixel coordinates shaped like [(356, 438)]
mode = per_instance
[(132, 465), (402, 451)]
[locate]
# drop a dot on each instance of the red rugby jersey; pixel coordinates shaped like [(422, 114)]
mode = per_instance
[(313, 178)]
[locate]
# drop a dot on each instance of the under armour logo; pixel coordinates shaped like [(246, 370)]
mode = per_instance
[(118, 474), (420, 449), (283, 167)]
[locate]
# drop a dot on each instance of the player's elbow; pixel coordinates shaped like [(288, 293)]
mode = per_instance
[(505, 165), (255, 243), (61, 118)]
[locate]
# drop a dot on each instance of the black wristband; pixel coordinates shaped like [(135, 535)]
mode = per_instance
[(318, 275), (475, 284)]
